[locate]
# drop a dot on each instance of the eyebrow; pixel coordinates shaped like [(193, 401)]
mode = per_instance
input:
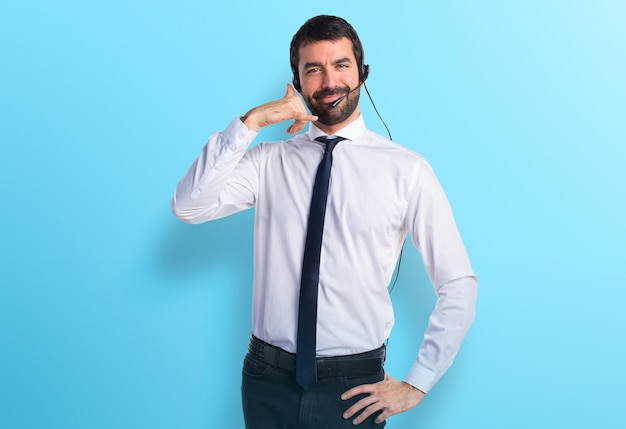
[(316, 64)]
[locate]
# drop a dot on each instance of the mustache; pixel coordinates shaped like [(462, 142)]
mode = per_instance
[(343, 90)]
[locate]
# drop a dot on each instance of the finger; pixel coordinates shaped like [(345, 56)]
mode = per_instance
[(304, 117), (293, 129), (296, 127), (382, 416), (358, 406), (290, 91), (300, 123), (374, 408), (358, 390)]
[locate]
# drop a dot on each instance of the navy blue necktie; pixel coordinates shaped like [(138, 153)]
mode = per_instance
[(306, 366)]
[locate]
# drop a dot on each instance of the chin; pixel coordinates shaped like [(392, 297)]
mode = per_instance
[(329, 115)]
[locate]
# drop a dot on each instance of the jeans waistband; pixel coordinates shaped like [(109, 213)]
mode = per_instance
[(349, 365)]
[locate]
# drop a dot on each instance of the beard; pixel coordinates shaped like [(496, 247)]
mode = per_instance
[(326, 113)]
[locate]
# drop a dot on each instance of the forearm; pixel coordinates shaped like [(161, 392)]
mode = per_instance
[(198, 195), (447, 327)]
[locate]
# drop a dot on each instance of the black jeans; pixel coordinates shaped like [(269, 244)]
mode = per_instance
[(272, 399)]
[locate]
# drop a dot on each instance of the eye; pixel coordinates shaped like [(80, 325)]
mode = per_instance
[(313, 70)]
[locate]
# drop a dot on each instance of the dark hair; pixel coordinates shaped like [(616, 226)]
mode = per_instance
[(325, 27)]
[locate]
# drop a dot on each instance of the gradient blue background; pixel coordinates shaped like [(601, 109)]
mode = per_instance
[(113, 314)]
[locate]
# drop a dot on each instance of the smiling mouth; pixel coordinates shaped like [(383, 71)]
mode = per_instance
[(330, 96), (330, 99)]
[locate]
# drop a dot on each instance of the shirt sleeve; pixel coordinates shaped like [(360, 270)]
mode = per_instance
[(222, 180), (435, 234)]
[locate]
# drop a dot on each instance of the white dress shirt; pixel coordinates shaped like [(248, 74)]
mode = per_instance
[(379, 191)]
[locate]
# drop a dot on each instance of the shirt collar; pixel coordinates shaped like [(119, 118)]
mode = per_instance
[(350, 132)]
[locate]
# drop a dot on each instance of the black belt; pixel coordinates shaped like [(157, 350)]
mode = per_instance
[(349, 366)]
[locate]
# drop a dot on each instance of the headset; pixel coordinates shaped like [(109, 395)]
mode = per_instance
[(364, 71)]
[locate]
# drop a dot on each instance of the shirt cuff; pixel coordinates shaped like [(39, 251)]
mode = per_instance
[(422, 378), (238, 135)]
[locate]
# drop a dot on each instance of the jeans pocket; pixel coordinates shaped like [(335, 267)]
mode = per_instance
[(254, 368)]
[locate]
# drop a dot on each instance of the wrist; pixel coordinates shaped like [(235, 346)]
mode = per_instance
[(415, 390), (249, 122)]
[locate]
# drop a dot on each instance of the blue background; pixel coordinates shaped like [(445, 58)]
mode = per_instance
[(115, 314)]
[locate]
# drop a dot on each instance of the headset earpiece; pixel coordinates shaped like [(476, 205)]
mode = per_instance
[(364, 72), (296, 80)]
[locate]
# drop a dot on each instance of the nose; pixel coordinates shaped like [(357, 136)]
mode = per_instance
[(330, 79)]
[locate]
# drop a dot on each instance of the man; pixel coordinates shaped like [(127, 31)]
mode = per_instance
[(378, 192)]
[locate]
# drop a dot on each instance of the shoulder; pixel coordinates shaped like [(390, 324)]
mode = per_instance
[(387, 147)]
